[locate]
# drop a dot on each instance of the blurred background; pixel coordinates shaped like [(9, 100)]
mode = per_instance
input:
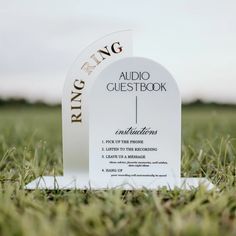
[(194, 39)]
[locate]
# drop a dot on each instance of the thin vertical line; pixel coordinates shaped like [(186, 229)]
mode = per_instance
[(136, 109)]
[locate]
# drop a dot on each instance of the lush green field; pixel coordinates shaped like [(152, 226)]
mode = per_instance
[(30, 145)]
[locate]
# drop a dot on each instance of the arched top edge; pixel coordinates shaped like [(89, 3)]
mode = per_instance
[(93, 43), (82, 53), (152, 61)]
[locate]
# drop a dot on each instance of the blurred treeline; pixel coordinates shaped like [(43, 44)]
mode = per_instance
[(21, 102)]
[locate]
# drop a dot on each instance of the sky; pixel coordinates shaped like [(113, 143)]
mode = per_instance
[(194, 39)]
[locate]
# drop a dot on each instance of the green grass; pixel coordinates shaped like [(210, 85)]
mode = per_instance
[(30, 146)]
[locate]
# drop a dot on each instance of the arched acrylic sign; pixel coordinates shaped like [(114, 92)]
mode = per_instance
[(134, 126), (78, 83)]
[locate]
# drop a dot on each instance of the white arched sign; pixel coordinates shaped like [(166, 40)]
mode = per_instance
[(134, 126), (121, 122), (78, 83)]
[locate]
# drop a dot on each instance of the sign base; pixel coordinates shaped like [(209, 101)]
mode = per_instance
[(71, 183)]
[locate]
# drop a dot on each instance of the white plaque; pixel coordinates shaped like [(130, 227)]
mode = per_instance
[(74, 100), (134, 126)]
